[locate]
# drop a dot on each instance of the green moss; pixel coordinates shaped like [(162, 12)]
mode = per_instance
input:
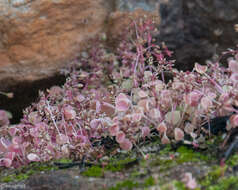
[(127, 184), (114, 165), (166, 150), (141, 173), (179, 185), (25, 172), (213, 176), (226, 184), (150, 181), (174, 185), (7, 179), (93, 171), (233, 160), (118, 165), (188, 155), (64, 160), (185, 155), (164, 164)]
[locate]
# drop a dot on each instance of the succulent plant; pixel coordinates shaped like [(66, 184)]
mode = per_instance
[(122, 95)]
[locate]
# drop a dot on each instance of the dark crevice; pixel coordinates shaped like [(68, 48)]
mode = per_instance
[(26, 93)]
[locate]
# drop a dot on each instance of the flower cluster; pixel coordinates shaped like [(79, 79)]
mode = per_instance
[(128, 95)]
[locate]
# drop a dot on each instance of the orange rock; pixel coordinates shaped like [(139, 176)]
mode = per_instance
[(38, 38), (119, 20)]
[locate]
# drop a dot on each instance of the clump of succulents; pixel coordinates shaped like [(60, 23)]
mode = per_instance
[(125, 96)]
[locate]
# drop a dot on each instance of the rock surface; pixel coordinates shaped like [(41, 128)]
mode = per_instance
[(39, 37), (196, 30)]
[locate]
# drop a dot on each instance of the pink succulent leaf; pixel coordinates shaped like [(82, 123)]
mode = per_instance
[(33, 117), (41, 126), (145, 131), (12, 131), (212, 95), (165, 97), (33, 157), (126, 144), (83, 139), (10, 155), (4, 118), (206, 103), (192, 98), (136, 117), (159, 85), (61, 139), (168, 52), (234, 120), (6, 162), (192, 184), (189, 128), (234, 78), (122, 103), (233, 66), (121, 96), (228, 126), (14, 148), (142, 94), (4, 144), (98, 106), (173, 117), (34, 132), (80, 98), (200, 68), (69, 113), (177, 85), (144, 104), (128, 118), (120, 137), (50, 149), (159, 56), (55, 91), (165, 139), (162, 128), (37, 141), (115, 119), (155, 114), (95, 123), (189, 181), (178, 134), (114, 129), (65, 150), (17, 140)]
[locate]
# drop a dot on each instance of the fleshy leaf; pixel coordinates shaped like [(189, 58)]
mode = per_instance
[(126, 144), (200, 68), (120, 137), (33, 157), (173, 117), (122, 103), (178, 134)]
